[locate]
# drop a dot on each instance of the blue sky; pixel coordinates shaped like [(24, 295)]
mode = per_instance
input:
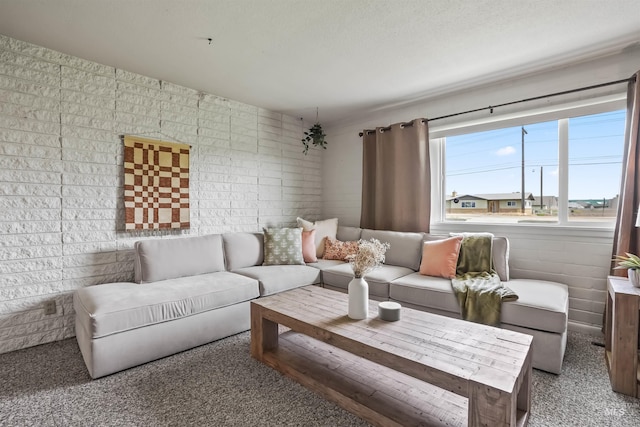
[(491, 162)]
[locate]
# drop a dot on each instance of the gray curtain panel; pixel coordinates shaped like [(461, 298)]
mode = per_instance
[(396, 177), (626, 234)]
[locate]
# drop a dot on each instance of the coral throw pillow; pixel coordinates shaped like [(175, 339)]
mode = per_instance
[(335, 249), (309, 246), (440, 257)]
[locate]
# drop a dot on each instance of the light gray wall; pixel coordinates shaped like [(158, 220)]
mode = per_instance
[(61, 208), (578, 258)]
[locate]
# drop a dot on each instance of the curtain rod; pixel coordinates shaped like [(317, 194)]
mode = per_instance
[(535, 98)]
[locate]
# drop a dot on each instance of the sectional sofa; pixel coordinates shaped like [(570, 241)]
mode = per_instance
[(194, 290), (187, 292), (541, 309)]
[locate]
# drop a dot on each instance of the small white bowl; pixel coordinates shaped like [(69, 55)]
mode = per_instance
[(389, 311)]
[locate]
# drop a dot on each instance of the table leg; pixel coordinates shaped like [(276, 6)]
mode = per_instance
[(624, 344), (524, 394), (264, 333), (489, 406)]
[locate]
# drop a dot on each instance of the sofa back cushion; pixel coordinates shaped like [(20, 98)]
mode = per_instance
[(501, 257), (348, 234), (405, 247), (243, 249), (499, 253), (162, 259)]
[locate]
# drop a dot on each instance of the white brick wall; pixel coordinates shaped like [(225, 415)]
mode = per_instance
[(61, 207)]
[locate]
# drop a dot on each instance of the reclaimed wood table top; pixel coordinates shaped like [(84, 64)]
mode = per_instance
[(456, 356)]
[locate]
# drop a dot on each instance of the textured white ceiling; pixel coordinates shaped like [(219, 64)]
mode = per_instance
[(342, 56)]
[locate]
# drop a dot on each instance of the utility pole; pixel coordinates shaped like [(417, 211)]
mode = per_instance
[(524, 132), (541, 204)]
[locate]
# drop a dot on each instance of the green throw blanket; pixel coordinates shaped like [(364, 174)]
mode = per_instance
[(477, 286)]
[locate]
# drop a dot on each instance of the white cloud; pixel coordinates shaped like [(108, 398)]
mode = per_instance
[(506, 151)]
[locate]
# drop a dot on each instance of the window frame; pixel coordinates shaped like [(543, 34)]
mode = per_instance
[(560, 112)]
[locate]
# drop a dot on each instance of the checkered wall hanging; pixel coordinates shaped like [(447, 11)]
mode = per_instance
[(156, 184)]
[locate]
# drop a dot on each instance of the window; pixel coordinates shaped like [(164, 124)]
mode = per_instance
[(595, 166), (569, 169)]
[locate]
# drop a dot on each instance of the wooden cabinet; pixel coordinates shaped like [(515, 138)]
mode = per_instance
[(621, 335)]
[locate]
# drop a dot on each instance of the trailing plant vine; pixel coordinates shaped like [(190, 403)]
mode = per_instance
[(315, 135)]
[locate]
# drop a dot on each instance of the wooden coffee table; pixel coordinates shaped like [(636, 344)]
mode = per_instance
[(421, 370)]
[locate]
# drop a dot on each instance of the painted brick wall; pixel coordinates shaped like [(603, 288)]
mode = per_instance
[(61, 208)]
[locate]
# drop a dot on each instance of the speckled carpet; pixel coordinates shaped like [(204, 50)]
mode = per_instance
[(220, 385)]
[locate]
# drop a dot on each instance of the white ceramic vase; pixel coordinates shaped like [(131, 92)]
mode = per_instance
[(358, 298), (634, 277)]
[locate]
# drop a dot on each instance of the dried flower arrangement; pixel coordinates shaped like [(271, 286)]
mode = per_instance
[(370, 255)]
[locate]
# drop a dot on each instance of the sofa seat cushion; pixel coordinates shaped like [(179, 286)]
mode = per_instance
[(117, 307), (340, 275), (541, 305), (278, 278), (323, 264), (426, 291)]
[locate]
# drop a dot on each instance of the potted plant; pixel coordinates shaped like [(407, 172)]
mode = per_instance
[(630, 262), (315, 135)]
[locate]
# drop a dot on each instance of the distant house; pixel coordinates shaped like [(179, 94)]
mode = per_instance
[(595, 205), (488, 203), (590, 203), (549, 203)]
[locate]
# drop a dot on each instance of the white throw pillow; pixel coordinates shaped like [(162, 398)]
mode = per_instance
[(324, 228)]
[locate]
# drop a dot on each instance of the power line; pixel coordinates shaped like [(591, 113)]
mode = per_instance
[(546, 162), (529, 166)]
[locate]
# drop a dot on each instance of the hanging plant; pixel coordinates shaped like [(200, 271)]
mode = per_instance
[(315, 135)]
